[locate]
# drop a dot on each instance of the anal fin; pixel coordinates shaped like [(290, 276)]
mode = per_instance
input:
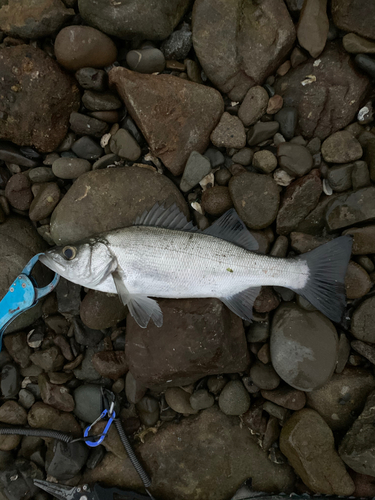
[(141, 307), (242, 303)]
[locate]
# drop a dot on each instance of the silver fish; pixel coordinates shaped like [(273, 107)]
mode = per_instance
[(164, 255)]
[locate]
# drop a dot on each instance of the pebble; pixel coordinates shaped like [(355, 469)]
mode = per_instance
[(297, 57), (303, 347), (282, 178), (222, 177), (10, 381), (92, 78), (354, 16), (244, 156), (110, 364), (43, 416), (41, 174), (216, 200), (148, 411), (49, 359), (264, 376), (294, 159), (360, 175), (12, 413), (351, 208), (313, 26), (365, 350), (216, 384), (100, 101), (201, 399), (287, 119), (18, 192), (254, 105), (341, 147), (65, 460), (45, 201), (357, 281), (355, 44), (179, 400), (340, 177), (308, 443), (363, 321), (363, 239), (265, 161), (85, 147), (87, 125), (79, 47), (234, 398), (286, 396), (16, 346), (197, 167), (148, 60), (193, 71), (255, 198), (88, 402), (274, 104), (123, 144), (56, 396), (284, 68), (26, 398), (133, 389), (267, 300), (261, 132), (229, 132), (215, 156), (178, 44), (106, 116)]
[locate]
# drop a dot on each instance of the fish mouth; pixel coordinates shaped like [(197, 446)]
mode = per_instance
[(51, 263)]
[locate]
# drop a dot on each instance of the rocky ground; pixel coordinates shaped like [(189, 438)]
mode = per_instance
[(108, 107)]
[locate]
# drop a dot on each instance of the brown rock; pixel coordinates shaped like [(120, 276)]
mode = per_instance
[(357, 281), (175, 116), (56, 396), (28, 91), (216, 200), (18, 192), (16, 345), (45, 201), (326, 101), (302, 243), (287, 397), (267, 300), (111, 364), (242, 43), (363, 239), (355, 44), (100, 310), (354, 15), (313, 26), (341, 147), (13, 413), (274, 104), (253, 106), (79, 47), (229, 132), (207, 339), (43, 416)]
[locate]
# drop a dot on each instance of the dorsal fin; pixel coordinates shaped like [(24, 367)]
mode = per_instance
[(231, 228), (168, 218)]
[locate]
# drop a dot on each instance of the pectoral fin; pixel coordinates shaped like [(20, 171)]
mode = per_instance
[(141, 307), (242, 303)]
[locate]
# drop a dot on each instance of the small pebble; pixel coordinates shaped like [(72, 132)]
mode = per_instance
[(124, 145), (254, 105), (149, 60), (179, 400), (70, 168), (201, 400), (287, 118), (100, 101), (274, 104), (234, 398), (92, 78), (265, 161), (264, 376), (148, 411), (87, 148)]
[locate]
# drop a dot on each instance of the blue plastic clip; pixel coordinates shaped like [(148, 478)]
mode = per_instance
[(111, 416), (22, 295)]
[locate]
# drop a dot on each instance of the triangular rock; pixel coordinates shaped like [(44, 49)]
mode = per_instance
[(175, 116)]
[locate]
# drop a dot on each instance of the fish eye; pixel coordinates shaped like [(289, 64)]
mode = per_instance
[(69, 252)]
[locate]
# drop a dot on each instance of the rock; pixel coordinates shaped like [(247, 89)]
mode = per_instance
[(254, 105), (92, 78), (261, 132), (49, 359), (313, 26), (229, 132), (308, 443), (21, 19), (148, 411), (357, 281), (363, 239), (341, 147), (215, 157), (18, 192), (45, 201), (360, 175), (148, 60), (105, 161), (85, 147), (41, 174), (216, 200), (175, 116), (365, 350), (12, 413), (215, 343), (363, 321), (351, 208), (244, 156), (287, 118), (84, 335), (255, 198), (196, 168), (42, 416), (342, 398), (28, 91), (178, 44), (110, 364), (274, 104), (179, 400), (133, 389), (355, 44), (65, 460), (322, 111), (286, 396), (123, 144), (234, 398), (16, 345), (302, 243), (201, 399), (299, 199), (140, 20), (235, 50), (78, 47), (354, 15), (265, 161), (357, 447), (84, 210), (88, 402), (87, 125), (100, 101), (70, 168), (294, 158), (56, 396), (366, 63), (303, 347), (340, 177), (100, 310), (266, 301)]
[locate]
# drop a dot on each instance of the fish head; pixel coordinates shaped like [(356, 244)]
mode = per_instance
[(86, 263)]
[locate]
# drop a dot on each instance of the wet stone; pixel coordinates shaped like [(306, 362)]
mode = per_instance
[(41, 174), (100, 101), (201, 399), (196, 168), (55, 395), (179, 400), (87, 148), (264, 376), (49, 359), (302, 243), (45, 201), (254, 105), (216, 200), (265, 161), (363, 239), (274, 104), (341, 147), (134, 390), (294, 158), (65, 460), (178, 44), (216, 384), (286, 396), (255, 198), (148, 410), (351, 208), (340, 177), (313, 26), (87, 125), (287, 118), (124, 145), (148, 60), (234, 398), (357, 281), (261, 132), (92, 78), (70, 168), (229, 132)]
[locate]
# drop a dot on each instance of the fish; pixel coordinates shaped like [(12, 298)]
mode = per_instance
[(162, 255)]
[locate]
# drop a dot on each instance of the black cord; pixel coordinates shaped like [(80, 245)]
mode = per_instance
[(47, 433)]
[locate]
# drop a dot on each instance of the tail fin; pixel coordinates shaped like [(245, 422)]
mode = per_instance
[(325, 288)]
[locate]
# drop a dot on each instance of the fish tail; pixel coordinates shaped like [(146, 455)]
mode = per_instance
[(325, 286)]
